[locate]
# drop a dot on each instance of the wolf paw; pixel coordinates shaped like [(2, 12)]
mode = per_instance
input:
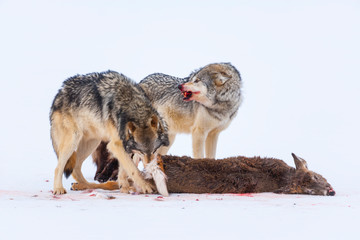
[(58, 191), (146, 188), (78, 186), (127, 189)]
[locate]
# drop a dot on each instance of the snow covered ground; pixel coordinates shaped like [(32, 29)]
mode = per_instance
[(300, 65)]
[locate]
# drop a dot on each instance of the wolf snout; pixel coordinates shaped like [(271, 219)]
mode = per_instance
[(148, 157)]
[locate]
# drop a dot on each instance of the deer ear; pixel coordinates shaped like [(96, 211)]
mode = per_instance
[(220, 78), (300, 163)]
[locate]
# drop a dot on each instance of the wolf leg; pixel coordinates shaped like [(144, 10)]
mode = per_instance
[(125, 186), (67, 145), (86, 147), (211, 143), (198, 142), (117, 149)]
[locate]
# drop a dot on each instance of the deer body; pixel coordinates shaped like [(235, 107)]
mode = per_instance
[(229, 175), (241, 175)]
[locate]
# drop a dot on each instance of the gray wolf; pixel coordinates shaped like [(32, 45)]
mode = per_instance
[(109, 107), (206, 104), (241, 175)]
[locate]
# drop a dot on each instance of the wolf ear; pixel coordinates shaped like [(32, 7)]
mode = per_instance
[(129, 130), (220, 77), (154, 121), (300, 163)]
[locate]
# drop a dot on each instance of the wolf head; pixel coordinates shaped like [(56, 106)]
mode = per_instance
[(305, 181), (206, 83), (146, 139)]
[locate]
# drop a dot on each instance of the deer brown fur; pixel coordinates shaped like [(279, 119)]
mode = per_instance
[(107, 165), (232, 175), (242, 175)]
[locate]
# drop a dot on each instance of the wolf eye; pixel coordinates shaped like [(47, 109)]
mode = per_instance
[(196, 80)]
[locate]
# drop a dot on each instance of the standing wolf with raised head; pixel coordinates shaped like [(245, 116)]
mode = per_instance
[(209, 100), (107, 107)]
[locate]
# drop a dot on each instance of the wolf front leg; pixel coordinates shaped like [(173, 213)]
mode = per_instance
[(211, 143), (198, 142), (125, 161)]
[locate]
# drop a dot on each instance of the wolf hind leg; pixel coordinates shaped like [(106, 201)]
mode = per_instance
[(66, 149), (86, 147)]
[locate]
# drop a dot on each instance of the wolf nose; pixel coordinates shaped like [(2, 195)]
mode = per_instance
[(180, 87), (331, 192)]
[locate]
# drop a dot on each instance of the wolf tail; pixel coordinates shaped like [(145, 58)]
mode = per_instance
[(69, 167)]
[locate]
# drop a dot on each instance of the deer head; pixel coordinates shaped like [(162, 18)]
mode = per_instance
[(305, 181)]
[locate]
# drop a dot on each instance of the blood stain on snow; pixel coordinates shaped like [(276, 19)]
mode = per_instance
[(197, 199), (242, 194), (88, 191), (159, 198), (92, 195)]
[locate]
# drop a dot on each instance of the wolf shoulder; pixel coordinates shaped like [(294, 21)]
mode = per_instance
[(93, 88), (161, 88)]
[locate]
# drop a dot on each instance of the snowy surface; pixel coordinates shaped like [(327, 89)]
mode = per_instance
[(300, 64)]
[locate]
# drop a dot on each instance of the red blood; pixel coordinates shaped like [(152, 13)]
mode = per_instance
[(46, 180), (187, 95), (92, 195), (88, 191), (243, 194), (197, 199)]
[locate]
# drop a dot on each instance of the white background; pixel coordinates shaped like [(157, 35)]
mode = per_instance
[(299, 61)]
